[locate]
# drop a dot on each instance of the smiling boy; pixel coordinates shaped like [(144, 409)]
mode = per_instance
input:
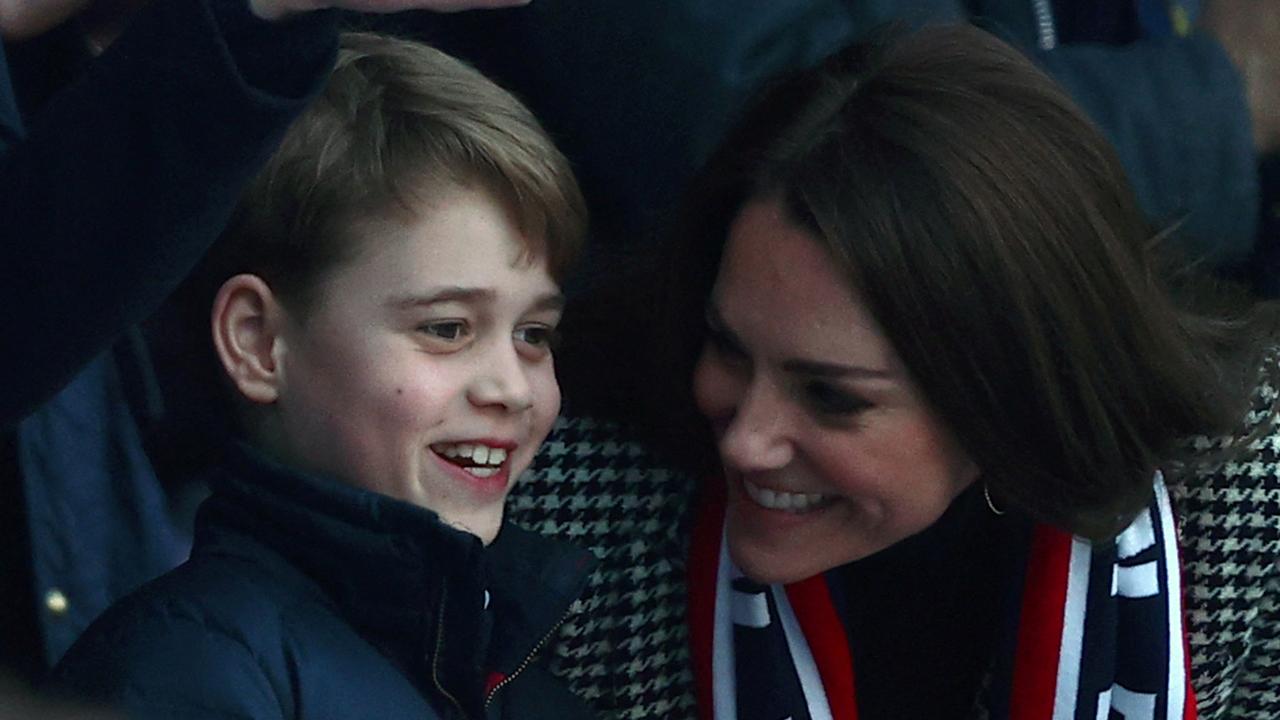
[(388, 298), (421, 370)]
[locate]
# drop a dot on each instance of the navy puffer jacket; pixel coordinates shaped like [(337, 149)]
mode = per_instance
[(307, 598)]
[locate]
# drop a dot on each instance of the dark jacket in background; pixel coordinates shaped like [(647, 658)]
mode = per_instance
[(115, 191), (1169, 99), (308, 598), (639, 93), (10, 121)]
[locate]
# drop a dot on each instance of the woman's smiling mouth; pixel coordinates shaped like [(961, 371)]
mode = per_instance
[(785, 501)]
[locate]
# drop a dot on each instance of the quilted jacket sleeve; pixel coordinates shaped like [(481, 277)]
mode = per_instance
[(126, 177), (167, 667)]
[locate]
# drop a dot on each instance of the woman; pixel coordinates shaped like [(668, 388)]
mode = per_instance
[(952, 391)]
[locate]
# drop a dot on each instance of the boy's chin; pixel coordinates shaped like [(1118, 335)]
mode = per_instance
[(485, 529)]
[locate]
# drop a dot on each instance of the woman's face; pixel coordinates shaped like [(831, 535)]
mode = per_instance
[(830, 452)]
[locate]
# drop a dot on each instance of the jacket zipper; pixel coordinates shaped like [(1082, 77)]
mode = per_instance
[(1046, 31), (435, 661), (528, 658)]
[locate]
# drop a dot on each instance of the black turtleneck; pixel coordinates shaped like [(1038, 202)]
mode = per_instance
[(923, 616)]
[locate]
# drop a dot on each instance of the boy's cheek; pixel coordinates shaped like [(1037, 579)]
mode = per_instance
[(547, 403)]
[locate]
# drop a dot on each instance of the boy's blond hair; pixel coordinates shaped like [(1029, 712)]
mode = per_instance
[(397, 123)]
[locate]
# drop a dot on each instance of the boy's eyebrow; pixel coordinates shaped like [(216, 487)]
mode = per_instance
[(550, 301), (454, 293)]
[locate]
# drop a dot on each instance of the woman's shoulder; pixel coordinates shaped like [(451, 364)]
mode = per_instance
[(1228, 493), (602, 486), (1238, 471), (1228, 505)]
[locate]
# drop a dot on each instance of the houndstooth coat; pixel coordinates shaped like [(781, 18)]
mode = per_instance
[(625, 647)]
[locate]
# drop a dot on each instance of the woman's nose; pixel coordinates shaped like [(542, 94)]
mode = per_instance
[(757, 436)]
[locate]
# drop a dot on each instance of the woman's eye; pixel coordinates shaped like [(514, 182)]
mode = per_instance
[(723, 344), (827, 399), (449, 330)]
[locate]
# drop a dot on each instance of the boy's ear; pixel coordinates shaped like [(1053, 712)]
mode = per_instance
[(247, 320)]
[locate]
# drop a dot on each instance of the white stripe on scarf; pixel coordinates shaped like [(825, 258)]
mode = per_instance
[(1071, 651), (1177, 658)]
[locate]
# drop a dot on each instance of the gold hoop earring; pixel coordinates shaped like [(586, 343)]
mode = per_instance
[(986, 494)]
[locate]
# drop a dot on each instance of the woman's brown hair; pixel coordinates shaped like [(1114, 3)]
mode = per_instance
[(992, 232)]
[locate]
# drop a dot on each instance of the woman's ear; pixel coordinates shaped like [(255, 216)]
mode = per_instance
[(247, 320)]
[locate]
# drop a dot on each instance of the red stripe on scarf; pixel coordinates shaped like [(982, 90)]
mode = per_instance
[(1190, 710), (810, 600), (823, 630), (1044, 597), (703, 570)]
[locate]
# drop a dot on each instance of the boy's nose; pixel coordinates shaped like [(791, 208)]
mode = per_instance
[(501, 382)]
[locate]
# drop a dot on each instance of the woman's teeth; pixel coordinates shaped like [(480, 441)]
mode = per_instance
[(779, 500)]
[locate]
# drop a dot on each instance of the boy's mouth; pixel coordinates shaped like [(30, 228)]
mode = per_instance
[(477, 459)]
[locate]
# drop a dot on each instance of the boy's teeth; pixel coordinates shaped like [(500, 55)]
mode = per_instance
[(482, 472), (779, 500), (456, 451), (477, 454)]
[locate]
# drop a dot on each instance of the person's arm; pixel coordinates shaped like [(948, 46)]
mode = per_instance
[(129, 175)]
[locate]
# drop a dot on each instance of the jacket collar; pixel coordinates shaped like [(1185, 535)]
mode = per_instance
[(409, 583)]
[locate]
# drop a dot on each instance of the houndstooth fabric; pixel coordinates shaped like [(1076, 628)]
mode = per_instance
[(1229, 533), (625, 646)]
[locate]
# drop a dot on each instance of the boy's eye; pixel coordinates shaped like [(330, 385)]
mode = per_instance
[(543, 337), (445, 330), (829, 400)]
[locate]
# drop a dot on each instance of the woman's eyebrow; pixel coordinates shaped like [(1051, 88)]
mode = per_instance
[(818, 368), (802, 366)]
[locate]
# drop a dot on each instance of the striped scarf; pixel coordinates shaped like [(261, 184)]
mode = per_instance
[(1099, 635)]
